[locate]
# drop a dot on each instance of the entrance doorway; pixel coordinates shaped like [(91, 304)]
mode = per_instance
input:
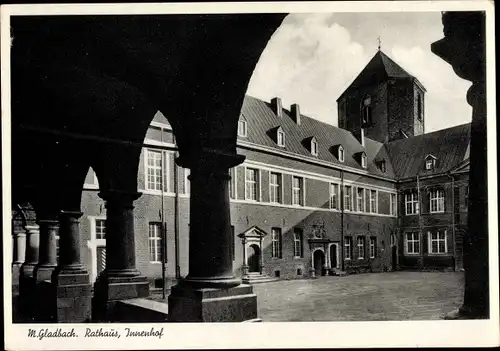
[(334, 263), (253, 258), (319, 262)]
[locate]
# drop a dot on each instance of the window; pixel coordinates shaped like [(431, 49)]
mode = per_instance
[(154, 170), (360, 200), (373, 247), (275, 182), (364, 160), (280, 137), (297, 243), (382, 166), (232, 183), (242, 127), (430, 162), (366, 111), (276, 242), (100, 229), (437, 201), (373, 201), (437, 242), (347, 198), (187, 182), (251, 184), (314, 147), (341, 154), (466, 196), (393, 204), (412, 243), (420, 109), (360, 247), (411, 203), (334, 196), (155, 241), (233, 244), (297, 191), (347, 248)]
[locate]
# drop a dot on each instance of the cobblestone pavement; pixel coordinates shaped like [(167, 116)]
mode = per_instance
[(362, 297)]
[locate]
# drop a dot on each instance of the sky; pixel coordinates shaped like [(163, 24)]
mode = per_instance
[(312, 58)]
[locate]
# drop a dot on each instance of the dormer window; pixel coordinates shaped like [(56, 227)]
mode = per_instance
[(382, 166), (341, 155), (366, 111), (314, 147), (242, 127), (280, 137), (430, 162), (364, 161)]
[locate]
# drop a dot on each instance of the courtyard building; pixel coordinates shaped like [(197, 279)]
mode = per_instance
[(375, 194)]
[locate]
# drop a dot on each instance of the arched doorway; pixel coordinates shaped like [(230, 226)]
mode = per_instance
[(253, 258), (319, 261), (333, 256)]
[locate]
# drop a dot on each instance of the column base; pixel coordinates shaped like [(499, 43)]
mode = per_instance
[(44, 272), (237, 304), (108, 291), (27, 292), (16, 271), (72, 296), (210, 282)]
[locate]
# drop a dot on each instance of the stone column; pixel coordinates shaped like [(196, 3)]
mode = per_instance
[(120, 280), (47, 262), (244, 268), (31, 256), (261, 256), (211, 277), (464, 48), (19, 248), (70, 279)]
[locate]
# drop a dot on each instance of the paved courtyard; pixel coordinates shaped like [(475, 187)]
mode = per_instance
[(362, 297)]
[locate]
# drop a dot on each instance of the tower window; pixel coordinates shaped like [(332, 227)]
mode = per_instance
[(366, 111), (420, 108)]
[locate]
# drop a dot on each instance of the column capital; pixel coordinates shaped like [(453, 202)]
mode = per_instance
[(119, 196), (32, 228), (48, 222), (476, 93), (72, 215), (210, 160)]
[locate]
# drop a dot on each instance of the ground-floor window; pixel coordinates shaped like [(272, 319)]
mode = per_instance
[(412, 243), (155, 251), (276, 240), (437, 242), (360, 247), (373, 247), (297, 243), (347, 248)]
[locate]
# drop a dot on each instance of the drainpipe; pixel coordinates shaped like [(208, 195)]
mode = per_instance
[(420, 224), (342, 266), (176, 215), (453, 234), (163, 226)]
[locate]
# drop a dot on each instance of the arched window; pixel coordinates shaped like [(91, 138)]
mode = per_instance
[(314, 147), (341, 154), (280, 137), (420, 107), (242, 127), (364, 162), (366, 111)]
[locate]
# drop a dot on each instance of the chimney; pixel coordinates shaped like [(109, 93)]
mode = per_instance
[(277, 107), (295, 111)]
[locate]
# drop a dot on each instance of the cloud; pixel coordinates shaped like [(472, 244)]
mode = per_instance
[(311, 60)]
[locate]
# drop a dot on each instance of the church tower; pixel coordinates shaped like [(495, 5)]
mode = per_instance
[(383, 103)]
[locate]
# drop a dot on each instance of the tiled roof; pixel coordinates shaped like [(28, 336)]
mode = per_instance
[(404, 158), (450, 147), (380, 68), (262, 123)]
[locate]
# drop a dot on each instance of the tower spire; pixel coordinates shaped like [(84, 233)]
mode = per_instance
[(379, 43)]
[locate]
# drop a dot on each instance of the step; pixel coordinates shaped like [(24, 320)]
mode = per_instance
[(256, 279)]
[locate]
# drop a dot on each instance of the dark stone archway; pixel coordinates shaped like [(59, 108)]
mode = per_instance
[(84, 89)]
